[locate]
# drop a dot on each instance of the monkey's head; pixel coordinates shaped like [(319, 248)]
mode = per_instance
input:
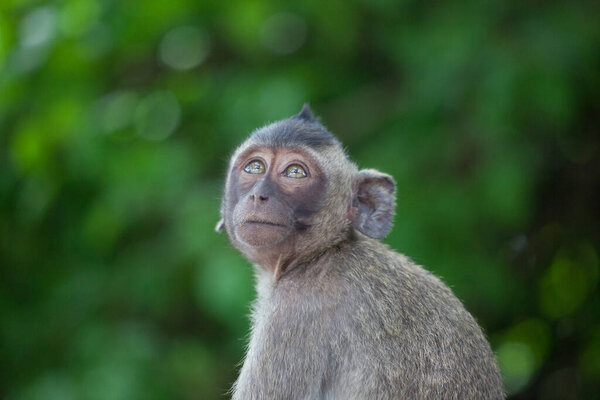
[(291, 192)]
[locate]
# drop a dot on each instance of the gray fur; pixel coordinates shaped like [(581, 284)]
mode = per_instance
[(303, 129), (306, 114), (348, 318)]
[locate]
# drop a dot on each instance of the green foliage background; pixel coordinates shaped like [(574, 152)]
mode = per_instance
[(117, 118)]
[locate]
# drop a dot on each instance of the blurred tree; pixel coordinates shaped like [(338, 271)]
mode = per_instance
[(117, 118)]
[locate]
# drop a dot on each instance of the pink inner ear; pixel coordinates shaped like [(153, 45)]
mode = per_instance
[(352, 209)]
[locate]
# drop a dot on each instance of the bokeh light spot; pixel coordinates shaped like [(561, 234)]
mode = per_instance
[(38, 27), (536, 334), (28, 148), (158, 115), (77, 17), (37, 31), (27, 59), (118, 110), (51, 386), (565, 285), (184, 48), (516, 361), (283, 33)]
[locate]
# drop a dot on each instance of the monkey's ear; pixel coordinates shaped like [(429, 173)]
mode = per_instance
[(220, 225), (306, 114), (373, 204)]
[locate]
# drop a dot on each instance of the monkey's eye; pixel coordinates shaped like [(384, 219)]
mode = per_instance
[(295, 171), (255, 167)]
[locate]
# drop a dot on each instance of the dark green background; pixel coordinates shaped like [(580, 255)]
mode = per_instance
[(117, 119)]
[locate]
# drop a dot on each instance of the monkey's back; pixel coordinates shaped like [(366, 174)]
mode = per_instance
[(425, 343)]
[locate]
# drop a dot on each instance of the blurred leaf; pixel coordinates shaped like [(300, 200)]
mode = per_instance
[(117, 120)]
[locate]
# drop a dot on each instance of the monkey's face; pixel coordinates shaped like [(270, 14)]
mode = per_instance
[(291, 192), (274, 195)]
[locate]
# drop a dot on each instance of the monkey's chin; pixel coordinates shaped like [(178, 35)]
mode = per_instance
[(258, 234)]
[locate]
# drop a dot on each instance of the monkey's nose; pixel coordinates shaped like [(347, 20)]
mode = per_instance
[(259, 197)]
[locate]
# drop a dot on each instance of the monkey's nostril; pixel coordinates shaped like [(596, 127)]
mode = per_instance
[(259, 197)]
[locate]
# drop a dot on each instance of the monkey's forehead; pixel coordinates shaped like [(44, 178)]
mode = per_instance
[(294, 131)]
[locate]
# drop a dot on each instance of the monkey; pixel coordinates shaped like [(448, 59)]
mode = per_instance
[(338, 314)]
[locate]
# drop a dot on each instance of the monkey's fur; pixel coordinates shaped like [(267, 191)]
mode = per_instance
[(339, 315)]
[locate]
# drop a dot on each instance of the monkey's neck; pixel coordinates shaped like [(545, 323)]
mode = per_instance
[(285, 262)]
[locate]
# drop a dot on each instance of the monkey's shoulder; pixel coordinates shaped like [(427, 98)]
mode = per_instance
[(386, 287), (372, 284), (372, 264)]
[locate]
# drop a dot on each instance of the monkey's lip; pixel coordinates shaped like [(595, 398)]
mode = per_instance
[(263, 222)]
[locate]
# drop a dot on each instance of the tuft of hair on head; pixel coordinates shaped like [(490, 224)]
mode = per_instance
[(303, 128), (306, 114)]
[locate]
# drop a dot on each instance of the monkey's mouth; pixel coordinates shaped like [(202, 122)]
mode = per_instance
[(261, 232), (262, 222)]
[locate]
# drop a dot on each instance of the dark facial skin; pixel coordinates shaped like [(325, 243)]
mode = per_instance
[(275, 205)]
